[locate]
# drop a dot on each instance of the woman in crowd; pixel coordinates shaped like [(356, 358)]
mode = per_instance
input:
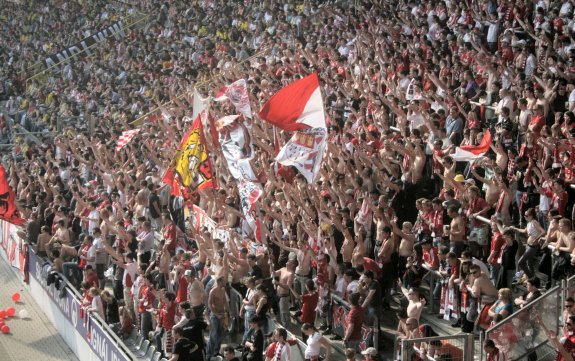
[(503, 307), (315, 342)]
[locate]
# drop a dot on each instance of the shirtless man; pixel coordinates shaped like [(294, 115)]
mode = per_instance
[(501, 158), (286, 278), (43, 240), (416, 302), (196, 294), (406, 243), (347, 250), (565, 238), (218, 306), (493, 187), (303, 256), (241, 267), (482, 293), (456, 231)]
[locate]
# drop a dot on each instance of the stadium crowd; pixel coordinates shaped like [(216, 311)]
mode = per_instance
[(404, 83)]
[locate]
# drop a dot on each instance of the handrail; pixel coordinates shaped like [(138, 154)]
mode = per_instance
[(467, 349)]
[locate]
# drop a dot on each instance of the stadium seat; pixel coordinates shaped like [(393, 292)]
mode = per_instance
[(134, 340), (138, 344), (144, 348), (150, 353), (156, 356)]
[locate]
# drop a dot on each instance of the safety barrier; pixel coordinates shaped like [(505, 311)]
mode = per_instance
[(456, 348), (339, 310), (520, 334), (88, 335)]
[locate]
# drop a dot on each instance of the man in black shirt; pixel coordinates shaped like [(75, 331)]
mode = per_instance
[(255, 270), (183, 348), (193, 330), (373, 297), (154, 207)]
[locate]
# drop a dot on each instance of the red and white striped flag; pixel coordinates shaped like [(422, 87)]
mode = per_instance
[(126, 137), (468, 153)]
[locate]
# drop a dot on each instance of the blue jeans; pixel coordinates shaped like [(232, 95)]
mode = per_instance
[(247, 317), (72, 272), (215, 336), (494, 272)]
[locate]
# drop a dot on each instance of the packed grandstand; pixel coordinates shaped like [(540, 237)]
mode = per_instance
[(369, 179)]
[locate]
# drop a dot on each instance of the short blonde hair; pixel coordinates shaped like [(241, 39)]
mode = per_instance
[(506, 293)]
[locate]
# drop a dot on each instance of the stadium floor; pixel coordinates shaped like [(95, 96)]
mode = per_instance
[(34, 338)]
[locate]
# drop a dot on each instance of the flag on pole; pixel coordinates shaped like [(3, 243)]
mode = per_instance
[(298, 106), (236, 141), (8, 210), (126, 137), (305, 151), (467, 153), (192, 162), (199, 104), (237, 93)]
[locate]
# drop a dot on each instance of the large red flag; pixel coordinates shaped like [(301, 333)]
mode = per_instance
[(8, 210), (468, 153), (298, 106)]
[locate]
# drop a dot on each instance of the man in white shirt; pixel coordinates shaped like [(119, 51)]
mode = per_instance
[(282, 349)]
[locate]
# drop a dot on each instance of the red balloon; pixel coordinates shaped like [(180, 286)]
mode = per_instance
[(1, 324), (16, 296), (2, 314), (10, 311), (5, 329)]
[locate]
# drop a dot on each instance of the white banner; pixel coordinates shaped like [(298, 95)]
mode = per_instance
[(305, 151)]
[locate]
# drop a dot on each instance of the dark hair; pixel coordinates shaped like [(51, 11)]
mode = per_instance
[(354, 299), (369, 274), (282, 332), (536, 282), (228, 349), (489, 343)]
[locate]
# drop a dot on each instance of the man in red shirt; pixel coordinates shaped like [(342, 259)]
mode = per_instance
[(430, 254), (497, 242), (182, 283), (91, 277), (145, 305), (169, 233), (309, 302), (478, 235), (166, 321), (560, 197), (354, 321)]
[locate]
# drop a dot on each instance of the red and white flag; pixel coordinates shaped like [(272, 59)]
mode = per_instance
[(126, 137), (199, 104), (467, 153), (305, 151), (298, 106), (237, 93)]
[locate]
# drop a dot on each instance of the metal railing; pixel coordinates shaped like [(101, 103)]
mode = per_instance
[(76, 294), (459, 348), (520, 334)]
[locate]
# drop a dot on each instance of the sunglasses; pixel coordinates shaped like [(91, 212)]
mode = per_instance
[(569, 306)]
